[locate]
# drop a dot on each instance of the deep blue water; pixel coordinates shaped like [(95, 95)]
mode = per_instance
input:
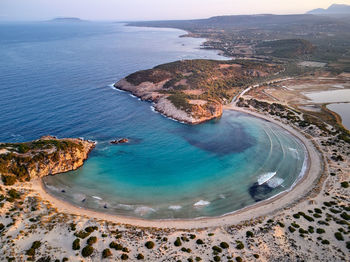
[(56, 79)]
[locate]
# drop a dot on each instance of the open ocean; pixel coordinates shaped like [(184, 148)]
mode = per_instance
[(56, 78)]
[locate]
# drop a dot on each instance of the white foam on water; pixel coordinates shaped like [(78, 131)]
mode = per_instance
[(175, 207), (201, 203), (144, 210), (266, 177), (96, 197), (126, 207), (222, 196), (275, 182)]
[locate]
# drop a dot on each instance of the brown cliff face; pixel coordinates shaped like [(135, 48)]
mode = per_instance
[(46, 156), (194, 91)]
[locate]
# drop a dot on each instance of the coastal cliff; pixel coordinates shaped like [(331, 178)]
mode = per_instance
[(45, 156), (194, 91)]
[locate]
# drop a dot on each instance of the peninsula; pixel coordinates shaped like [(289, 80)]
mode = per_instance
[(45, 156), (194, 91)]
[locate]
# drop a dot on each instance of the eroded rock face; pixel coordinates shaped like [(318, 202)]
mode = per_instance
[(45, 156), (193, 91)]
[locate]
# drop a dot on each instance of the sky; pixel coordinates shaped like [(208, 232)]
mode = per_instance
[(126, 10)]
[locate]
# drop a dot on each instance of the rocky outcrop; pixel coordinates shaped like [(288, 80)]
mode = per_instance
[(45, 156), (147, 91), (120, 141), (194, 91)]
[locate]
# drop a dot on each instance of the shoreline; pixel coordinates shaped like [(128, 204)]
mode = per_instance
[(302, 187)]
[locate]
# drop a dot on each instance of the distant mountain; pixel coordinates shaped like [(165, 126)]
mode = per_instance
[(332, 10), (66, 19)]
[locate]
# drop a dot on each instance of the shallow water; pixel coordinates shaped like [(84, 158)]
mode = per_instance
[(56, 79), (342, 109)]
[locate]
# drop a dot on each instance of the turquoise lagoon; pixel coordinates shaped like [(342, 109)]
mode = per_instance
[(56, 78)]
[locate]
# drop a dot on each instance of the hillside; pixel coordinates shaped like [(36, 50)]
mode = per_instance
[(332, 10), (193, 91), (46, 156)]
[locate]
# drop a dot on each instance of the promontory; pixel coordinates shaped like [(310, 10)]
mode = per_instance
[(45, 156), (194, 91)]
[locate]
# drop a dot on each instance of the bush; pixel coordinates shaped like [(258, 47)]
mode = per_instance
[(90, 229), (325, 242), (14, 194), (280, 224), (291, 229), (8, 180), (317, 210), (124, 257), (36, 244), (76, 244), (320, 231), (239, 259), (177, 242), (192, 236), (344, 184), (30, 252), (106, 253), (296, 215), (140, 257), (82, 234), (149, 244), (217, 258), (339, 236), (91, 240), (1, 226), (199, 242), (345, 216), (116, 246), (256, 255), (217, 249), (249, 234), (87, 251), (239, 245), (224, 245)]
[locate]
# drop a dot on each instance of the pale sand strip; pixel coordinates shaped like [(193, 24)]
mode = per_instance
[(263, 208)]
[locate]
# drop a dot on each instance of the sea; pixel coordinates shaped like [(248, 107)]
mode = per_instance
[(57, 78)]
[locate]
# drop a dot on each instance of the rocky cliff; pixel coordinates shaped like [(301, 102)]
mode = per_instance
[(193, 91), (45, 156)]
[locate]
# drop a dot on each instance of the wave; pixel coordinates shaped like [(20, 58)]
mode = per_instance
[(275, 182), (126, 207), (265, 177), (175, 207), (201, 203), (144, 210), (96, 197)]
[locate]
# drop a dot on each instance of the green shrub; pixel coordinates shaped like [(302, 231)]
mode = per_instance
[(14, 194), (124, 257), (149, 244), (1, 226), (317, 210), (140, 257), (239, 259), (91, 229), (217, 249), (36, 244), (76, 244), (339, 236), (240, 245), (177, 242), (325, 242), (192, 236), (217, 258), (296, 216), (224, 245), (345, 216), (198, 259), (295, 225), (87, 251), (8, 180), (344, 184), (291, 229), (249, 234), (30, 252), (106, 253), (256, 255), (320, 231), (82, 234), (91, 240), (280, 224), (200, 242)]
